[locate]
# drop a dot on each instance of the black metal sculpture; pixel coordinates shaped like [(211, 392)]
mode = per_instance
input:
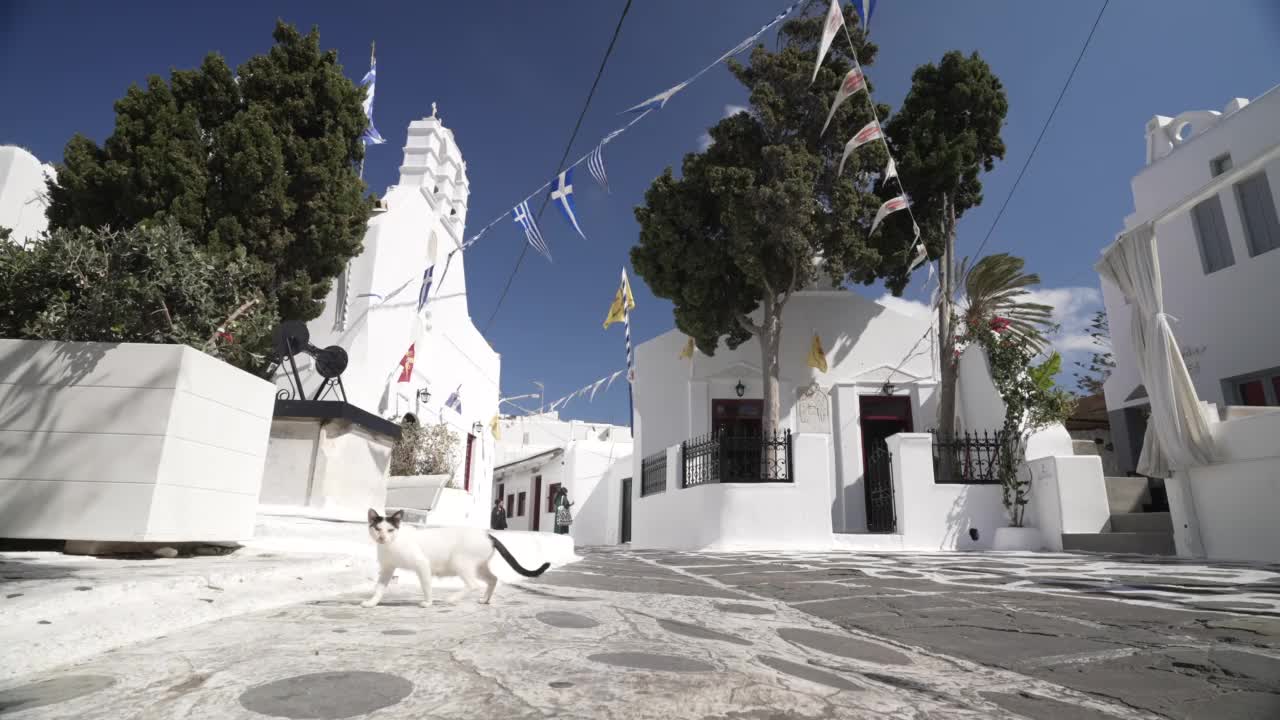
[(291, 338)]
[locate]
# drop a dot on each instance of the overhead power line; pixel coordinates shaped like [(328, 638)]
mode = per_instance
[(1047, 120), (568, 146)]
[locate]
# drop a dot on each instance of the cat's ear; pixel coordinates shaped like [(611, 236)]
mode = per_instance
[(374, 517), (396, 517)]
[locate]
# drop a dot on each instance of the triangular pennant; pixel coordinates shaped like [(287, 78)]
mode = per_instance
[(562, 196), (890, 206), (833, 22), (658, 101), (687, 352), (852, 83), (870, 131), (623, 302), (817, 357), (890, 170)]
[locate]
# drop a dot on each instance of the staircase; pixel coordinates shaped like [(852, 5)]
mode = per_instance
[(1140, 522)]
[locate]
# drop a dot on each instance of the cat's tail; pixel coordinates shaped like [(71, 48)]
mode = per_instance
[(506, 555)]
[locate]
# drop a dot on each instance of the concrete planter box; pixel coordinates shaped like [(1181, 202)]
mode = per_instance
[(1026, 539), (129, 443)]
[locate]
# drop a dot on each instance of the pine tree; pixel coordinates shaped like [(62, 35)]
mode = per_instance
[(1098, 369), (260, 164)]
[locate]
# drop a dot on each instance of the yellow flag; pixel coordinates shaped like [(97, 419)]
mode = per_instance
[(493, 427), (623, 302), (817, 358), (687, 352)]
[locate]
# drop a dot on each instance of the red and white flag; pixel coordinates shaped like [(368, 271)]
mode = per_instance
[(889, 206), (406, 366), (833, 23), (869, 132), (921, 257), (890, 170), (853, 82)]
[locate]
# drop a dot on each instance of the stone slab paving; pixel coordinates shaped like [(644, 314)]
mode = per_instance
[(627, 634)]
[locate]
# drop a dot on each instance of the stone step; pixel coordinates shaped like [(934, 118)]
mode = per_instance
[(1127, 494), (1141, 522), (1135, 543)]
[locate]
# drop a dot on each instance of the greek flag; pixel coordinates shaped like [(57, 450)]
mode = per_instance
[(524, 219), (595, 164), (562, 195), (455, 400), (371, 135), (426, 286), (865, 8)]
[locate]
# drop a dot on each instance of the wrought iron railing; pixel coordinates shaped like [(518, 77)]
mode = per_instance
[(653, 474), (975, 458), (725, 458)]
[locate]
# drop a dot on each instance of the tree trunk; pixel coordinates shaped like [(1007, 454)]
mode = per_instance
[(770, 345), (947, 345)]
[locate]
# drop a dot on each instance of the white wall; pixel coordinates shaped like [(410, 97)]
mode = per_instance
[(520, 479), (1068, 495), (128, 442), (22, 193), (1228, 511), (938, 516), (418, 229), (1220, 316)]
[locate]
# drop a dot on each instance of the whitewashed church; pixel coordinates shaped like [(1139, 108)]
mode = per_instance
[(400, 312)]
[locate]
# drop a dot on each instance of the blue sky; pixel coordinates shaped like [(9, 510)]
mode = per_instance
[(510, 78)]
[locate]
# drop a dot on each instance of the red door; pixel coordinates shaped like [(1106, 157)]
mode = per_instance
[(534, 522), (466, 481)]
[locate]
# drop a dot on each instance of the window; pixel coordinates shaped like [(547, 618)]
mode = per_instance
[(511, 505), (1211, 234), (520, 505), (1220, 164), (1258, 214), (1252, 392), (502, 490), (552, 489), (1256, 389)]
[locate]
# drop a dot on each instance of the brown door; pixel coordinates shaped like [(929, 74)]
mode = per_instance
[(466, 483), (535, 520), (878, 418), (737, 424)]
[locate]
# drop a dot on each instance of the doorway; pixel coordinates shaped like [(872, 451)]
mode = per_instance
[(738, 424), (535, 520), (879, 417), (624, 536)]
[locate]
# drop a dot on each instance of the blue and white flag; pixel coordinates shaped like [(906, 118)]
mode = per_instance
[(425, 292), (371, 135), (595, 164), (562, 196), (455, 400), (524, 219), (865, 8), (658, 101)]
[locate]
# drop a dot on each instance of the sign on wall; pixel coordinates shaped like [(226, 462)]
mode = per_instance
[(813, 411)]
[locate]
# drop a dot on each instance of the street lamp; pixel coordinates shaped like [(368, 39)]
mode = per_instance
[(424, 395), (476, 427), (740, 389)]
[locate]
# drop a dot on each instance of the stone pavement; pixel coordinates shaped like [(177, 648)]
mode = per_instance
[(629, 634)]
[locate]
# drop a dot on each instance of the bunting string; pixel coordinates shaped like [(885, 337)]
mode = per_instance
[(590, 390)]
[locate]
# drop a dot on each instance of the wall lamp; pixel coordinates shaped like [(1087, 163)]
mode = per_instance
[(740, 389)]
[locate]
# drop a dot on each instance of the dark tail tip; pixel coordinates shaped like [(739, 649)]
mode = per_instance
[(541, 569)]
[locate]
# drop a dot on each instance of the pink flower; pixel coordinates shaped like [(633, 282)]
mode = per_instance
[(999, 324)]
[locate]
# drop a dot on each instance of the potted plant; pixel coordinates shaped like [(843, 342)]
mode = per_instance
[(1032, 403), (423, 463)]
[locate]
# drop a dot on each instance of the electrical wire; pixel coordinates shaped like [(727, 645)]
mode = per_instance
[(569, 146), (1043, 129)]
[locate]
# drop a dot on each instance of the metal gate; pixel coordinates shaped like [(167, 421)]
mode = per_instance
[(879, 484), (624, 536)]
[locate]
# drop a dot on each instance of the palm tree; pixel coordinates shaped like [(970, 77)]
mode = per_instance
[(994, 288)]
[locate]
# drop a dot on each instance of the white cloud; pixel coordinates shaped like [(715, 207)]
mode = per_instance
[(705, 141), (910, 308), (1073, 309)]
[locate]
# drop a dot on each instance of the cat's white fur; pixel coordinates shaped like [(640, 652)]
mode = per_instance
[(462, 552)]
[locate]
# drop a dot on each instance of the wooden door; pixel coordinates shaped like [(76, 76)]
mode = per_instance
[(535, 521), (466, 482), (625, 535)]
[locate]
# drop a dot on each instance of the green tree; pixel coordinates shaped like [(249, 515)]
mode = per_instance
[(5, 233), (260, 163), (1098, 369), (946, 134), (149, 284), (738, 233)]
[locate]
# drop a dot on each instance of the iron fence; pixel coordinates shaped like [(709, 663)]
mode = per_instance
[(975, 458), (653, 474), (722, 457)]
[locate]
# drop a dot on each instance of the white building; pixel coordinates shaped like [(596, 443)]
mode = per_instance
[(539, 454), (374, 313), (23, 200), (1212, 184)]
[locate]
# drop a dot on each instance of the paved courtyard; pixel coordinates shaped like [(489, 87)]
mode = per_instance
[(627, 634)]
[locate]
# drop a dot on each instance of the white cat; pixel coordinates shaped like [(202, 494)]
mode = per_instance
[(446, 551)]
